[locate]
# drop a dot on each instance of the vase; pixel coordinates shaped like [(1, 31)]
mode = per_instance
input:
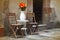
[(22, 15)]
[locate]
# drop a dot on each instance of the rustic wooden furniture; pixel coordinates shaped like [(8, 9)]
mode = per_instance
[(13, 25), (24, 28), (32, 22)]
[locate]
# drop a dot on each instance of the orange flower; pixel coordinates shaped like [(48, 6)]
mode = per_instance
[(22, 4)]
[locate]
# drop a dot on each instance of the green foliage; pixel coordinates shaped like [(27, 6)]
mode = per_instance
[(23, 8)]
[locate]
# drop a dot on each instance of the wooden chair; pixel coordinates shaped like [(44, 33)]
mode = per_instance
[(32, 22), (13, 25)]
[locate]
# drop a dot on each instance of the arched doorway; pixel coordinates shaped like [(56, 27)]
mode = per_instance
[(37, 9)]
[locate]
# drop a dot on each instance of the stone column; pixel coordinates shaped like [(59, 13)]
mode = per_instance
[(46, 10)]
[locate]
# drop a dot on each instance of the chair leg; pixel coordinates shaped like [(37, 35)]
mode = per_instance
[(14, 33), (22, 33), (30, 30)]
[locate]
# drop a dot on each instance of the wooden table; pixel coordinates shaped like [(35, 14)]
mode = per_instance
[(23, 22)]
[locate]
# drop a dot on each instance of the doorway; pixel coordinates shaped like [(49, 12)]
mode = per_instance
[(37, 9)]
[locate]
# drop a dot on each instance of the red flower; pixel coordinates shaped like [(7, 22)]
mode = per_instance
[(22, 4)]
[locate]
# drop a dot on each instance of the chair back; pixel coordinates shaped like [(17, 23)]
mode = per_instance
[(31, 17), (12, 18)]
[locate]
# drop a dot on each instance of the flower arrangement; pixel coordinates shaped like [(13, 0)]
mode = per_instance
[(22, 6)]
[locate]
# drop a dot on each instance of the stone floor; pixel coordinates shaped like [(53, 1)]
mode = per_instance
[(9, 38), (36, 37)]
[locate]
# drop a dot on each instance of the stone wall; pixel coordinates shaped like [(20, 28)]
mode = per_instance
[(1, 17), (4, 9)]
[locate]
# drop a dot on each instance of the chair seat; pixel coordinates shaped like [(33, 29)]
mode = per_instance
[(16, 24), (42, 24), (23, 28), (33, 23)]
